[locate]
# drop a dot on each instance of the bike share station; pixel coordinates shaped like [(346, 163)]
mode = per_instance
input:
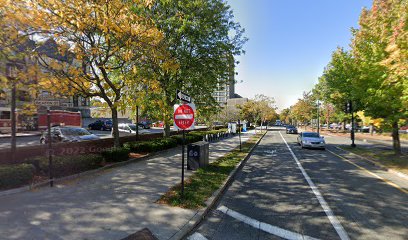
[(198, 152)]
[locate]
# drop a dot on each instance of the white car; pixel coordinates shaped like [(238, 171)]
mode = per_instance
[(311, 140), (131, 128)]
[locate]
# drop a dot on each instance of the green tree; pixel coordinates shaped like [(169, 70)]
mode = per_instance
[(380, 47), (259, 110), (202, 39)]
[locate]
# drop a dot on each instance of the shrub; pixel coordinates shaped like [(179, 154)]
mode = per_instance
[(190, 138), (116, 154), (151, 146), (12, 176), (68, 165)]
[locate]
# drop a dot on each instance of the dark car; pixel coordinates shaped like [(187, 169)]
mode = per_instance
[(67, 134), (103, 125), (291, 129), (145, 125)]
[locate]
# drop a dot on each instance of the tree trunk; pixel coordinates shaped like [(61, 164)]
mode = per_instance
[(395, 138), (115, 129), (166, 132)]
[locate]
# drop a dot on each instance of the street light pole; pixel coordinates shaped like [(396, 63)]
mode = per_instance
[(318, 117), (13, 122), (137, 122), (11, 72)]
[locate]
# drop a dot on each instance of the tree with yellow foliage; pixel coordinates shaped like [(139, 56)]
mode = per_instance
[(17, 65), (94, 48)]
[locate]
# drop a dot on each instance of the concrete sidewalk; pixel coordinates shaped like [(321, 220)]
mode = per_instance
[(108, 205)]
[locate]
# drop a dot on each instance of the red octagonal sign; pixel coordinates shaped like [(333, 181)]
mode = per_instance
[(184, 116)]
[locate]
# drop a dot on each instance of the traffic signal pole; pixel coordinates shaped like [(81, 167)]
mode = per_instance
[(352, 130)]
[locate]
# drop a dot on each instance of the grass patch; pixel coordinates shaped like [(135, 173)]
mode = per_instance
[(201, 185), (386, 157)]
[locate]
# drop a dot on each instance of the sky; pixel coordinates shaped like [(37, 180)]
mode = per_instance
[(290, 43)]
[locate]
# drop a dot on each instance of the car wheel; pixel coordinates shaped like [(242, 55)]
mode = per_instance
[(42, 141)]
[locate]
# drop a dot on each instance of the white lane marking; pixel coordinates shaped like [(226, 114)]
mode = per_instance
[(196, 236), (184, 116), (277, 231), (333, 219)]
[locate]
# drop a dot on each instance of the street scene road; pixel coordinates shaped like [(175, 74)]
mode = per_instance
[(257, 120), (292, 193)]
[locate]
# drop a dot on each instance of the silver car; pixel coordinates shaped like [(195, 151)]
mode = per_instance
[(128, 128), (311, 140), (67, 134)]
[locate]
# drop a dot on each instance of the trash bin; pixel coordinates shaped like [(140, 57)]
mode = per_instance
[(197, 155)]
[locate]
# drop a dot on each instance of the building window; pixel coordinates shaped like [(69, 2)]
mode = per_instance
[(5, 115)]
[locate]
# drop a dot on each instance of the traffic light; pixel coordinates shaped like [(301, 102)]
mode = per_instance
[(348, 107)]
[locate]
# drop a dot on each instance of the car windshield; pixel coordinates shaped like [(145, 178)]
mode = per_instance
[(311, 135), (290, 126), (75, 131)]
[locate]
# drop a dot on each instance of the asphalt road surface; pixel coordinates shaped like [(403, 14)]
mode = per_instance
[(285, 192)]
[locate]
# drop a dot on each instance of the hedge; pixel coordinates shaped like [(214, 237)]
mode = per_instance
[(12, 176), (68, 165), (116, 154), (190, 138), (151, 146)]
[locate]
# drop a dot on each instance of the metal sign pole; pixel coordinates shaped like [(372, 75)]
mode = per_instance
[(182, 165), (239, 134), (49, 147)]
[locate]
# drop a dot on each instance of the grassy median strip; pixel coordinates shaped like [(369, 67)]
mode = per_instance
[(383, 156), (201, 185)]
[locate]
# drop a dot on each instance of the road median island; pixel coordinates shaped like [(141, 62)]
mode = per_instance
[(201, 185), (382, 157)]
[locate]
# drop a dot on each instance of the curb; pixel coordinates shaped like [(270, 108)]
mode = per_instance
[(399, 174), (210, 203)]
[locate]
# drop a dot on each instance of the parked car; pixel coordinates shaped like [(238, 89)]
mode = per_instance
[(103, 125), (158, 124), (291, 129), (145, 124), (67, 134), (403, 129), (311, 140), (131, 128)]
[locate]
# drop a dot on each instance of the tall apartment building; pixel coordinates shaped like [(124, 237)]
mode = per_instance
[(226, 87)]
